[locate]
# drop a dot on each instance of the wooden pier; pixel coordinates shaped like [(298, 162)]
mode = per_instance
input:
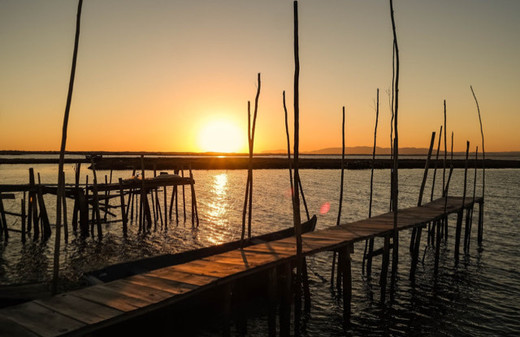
[(92, 309), (94, 201)]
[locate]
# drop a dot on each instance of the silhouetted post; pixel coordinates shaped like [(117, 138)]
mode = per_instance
[(23, 218), (61, 183), (430, 227), (415, 242), (296, 195), (76, 201), (368, 255), (342, 179), (123, 213), (461, 213), (481, 204), (65, 220), (395, 250), (421, 191), (195, 209), (469, 213), (96, 200), (3, 225), (44, 218), (32, 210), (183, 200)]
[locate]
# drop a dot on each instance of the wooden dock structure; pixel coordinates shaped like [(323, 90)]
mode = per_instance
[(95, 308), (94, 201)]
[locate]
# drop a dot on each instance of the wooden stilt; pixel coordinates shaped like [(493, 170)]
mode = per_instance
[(458, 229), (369, 258), (437, 248), (194, 198), (65, 214), (183, 200), (105, 216), (83, 213), (421, 191), (347, 283), (4, 220), (43, 213), (384, 268), (480, 222), (415, 255), (165, 195), (32, 211), (123, 213), (23, 219), (96, 201)]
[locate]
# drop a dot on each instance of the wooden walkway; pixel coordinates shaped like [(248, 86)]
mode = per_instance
[(84, 311)]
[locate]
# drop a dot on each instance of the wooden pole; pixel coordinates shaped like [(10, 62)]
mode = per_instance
[(32, 212), (445, 153), (430, 229), (23, 218), (44, 218), (469, 214), (461, 213), (395, 250), (369, 245), (288, 146), (61, 183), (96, 200), (123, 213), (194, 198), (481, 204), (342, 179), (415, 242), (446, 191), (296, 199), (76, 201), (183, 200), (4, 220), (248, 185), (65, 220), (421, 191)]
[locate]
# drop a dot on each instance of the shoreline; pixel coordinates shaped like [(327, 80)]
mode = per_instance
[(236, 163)]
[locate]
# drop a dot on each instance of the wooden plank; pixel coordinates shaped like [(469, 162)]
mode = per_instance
[(207, 268), (41, 320), (279, 249), (172, 287), (182, 277), (143, 293), (247, 259), (108, 297), (78, 308), (11, 328)]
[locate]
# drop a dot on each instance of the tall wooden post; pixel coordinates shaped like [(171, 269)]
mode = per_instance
[(61, 183)]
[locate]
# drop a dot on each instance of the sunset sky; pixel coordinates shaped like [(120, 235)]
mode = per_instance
[(163, 75)]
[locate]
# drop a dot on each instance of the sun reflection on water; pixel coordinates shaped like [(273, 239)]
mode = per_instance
[(218, 208)]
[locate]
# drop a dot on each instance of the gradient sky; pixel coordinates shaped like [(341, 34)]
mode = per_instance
[(152, 73)]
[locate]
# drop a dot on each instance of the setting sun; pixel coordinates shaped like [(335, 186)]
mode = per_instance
[(222, 136)]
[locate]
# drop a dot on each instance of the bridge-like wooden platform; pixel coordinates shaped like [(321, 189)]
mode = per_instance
[(84, 311)]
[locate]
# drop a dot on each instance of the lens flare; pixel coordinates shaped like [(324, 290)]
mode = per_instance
[(325, 208)]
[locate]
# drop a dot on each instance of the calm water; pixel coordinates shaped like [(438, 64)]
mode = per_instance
[(479, 297)]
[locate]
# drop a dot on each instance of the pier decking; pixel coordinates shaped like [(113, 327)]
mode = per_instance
[(84, 311)]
